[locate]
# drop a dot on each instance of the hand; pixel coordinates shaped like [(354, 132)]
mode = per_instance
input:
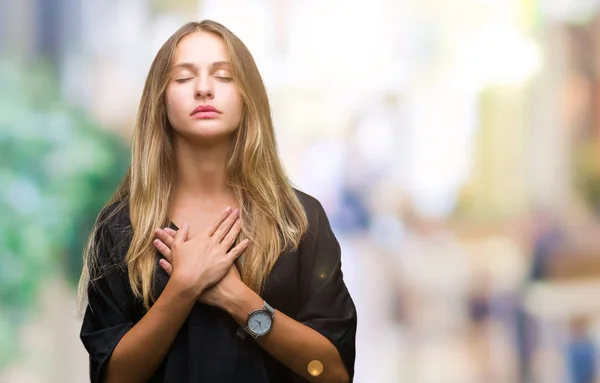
[(212, 296), (222, 291), (200, 262)]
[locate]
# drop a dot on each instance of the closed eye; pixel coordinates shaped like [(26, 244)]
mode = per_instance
[(224, 78), (182, 80)]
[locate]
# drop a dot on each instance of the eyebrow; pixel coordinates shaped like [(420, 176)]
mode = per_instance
[(194, 67)]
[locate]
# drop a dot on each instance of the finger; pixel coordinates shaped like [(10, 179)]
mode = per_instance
[(222, 218), (226, 226), (238, 250), (166, 266), (164, 237), (182, 234), (163, 249), (170, 231), (229, 239)]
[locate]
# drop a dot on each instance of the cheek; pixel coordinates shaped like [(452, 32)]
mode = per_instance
[(175, 105), (176, 112), (236, 105)]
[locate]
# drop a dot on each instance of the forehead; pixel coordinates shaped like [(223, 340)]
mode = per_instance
[(200, 48)]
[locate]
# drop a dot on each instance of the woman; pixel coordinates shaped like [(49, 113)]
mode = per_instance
[(243, 282)]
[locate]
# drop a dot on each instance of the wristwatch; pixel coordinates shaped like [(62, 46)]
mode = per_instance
[(259, 321)]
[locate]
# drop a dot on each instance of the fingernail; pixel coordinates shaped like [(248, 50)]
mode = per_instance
[(236, 211), (185, 225), (156, 242), (228, 209)]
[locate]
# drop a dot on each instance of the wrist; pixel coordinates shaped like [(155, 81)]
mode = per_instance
[(238, 306), (183, 289)]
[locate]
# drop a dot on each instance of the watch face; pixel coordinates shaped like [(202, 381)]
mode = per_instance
[(260, 322)]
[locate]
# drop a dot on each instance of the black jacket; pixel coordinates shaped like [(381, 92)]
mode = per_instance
[(306, 285)]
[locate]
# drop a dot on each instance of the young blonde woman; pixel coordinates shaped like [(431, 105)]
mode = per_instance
[(206, 265)]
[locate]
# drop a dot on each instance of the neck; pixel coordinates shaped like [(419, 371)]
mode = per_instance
[(200, 169)]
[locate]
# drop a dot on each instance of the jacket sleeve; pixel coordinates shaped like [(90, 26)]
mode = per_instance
[(327, 306), (108, 315)]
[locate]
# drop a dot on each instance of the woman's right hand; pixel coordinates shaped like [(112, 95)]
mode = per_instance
[(202, 261)]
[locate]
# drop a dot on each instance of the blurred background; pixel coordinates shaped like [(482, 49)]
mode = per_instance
[(454, 145)]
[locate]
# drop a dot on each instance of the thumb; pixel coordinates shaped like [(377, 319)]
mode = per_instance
[(182, 234)]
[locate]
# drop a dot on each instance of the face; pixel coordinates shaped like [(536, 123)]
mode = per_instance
[(203, 101), (260, 322)]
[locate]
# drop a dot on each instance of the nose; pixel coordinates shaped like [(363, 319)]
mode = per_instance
[(203, 88)]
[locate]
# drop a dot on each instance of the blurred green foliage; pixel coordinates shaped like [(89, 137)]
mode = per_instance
[(57, 169)]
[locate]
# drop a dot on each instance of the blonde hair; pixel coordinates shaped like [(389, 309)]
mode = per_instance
[(273, 216)]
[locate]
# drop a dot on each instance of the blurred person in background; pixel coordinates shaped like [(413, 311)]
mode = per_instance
[(581, 354), (205, 229)]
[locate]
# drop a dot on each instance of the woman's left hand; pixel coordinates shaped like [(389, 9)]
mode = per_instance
[(217, 295)]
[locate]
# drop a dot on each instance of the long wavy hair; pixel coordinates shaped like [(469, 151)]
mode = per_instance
[(273, 216)]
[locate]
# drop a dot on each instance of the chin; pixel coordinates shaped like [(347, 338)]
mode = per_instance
[(209, 132)]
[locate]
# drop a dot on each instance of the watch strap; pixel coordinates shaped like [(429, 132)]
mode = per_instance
[(266, 307)]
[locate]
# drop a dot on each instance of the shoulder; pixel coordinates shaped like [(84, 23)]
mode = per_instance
[(114, 217), (319, 248), (315, 214), (113, 231), (115, 220), (311, 205)]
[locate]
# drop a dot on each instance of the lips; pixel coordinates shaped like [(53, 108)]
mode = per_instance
[(205, 109)]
